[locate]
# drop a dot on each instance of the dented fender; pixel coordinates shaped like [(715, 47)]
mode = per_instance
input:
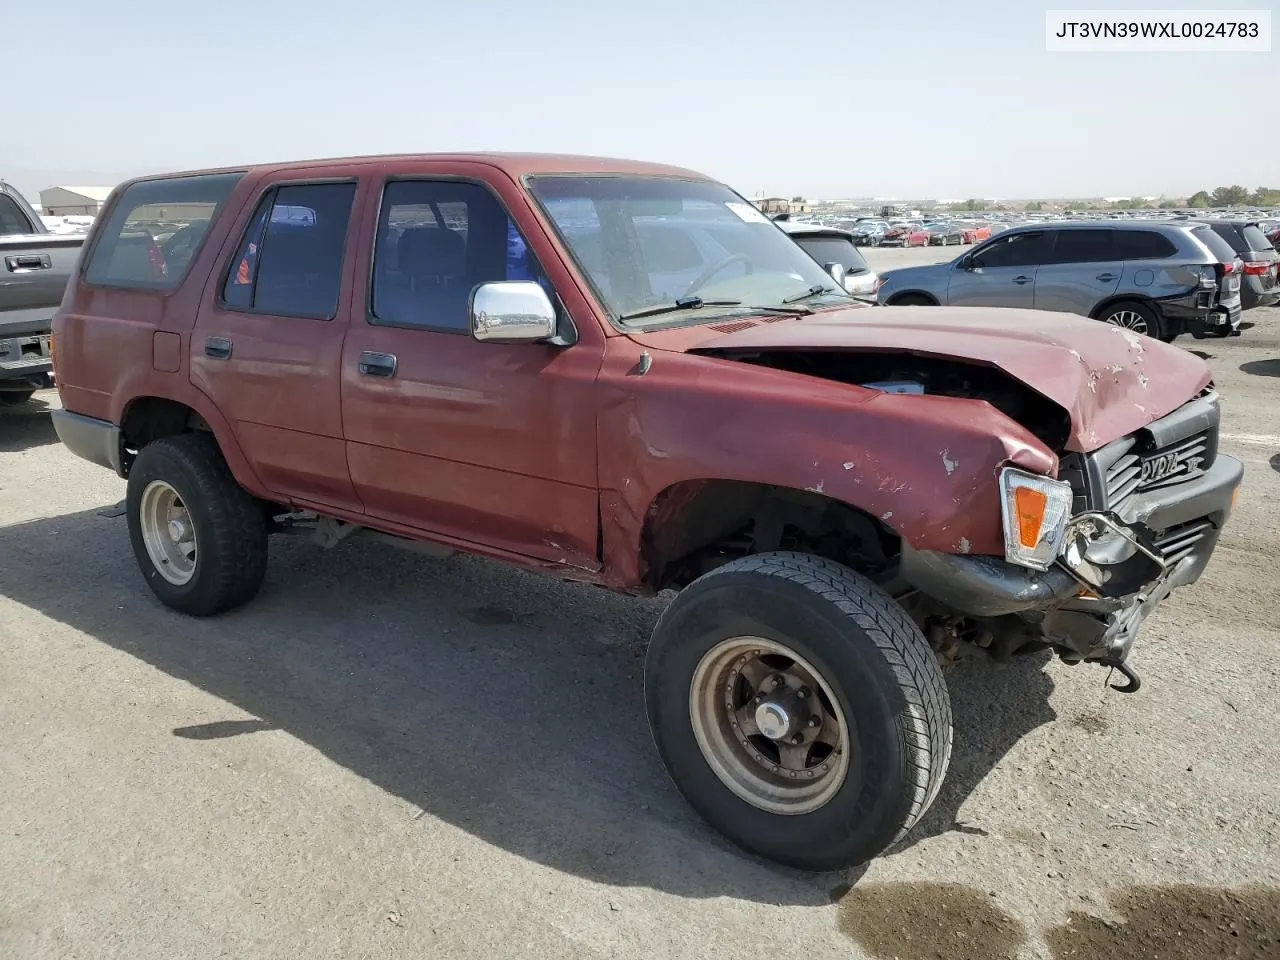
[(924, 466)]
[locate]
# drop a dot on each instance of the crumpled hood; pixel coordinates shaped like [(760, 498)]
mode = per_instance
[(1110, 381)]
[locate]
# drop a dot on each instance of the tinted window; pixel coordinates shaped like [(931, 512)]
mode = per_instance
[(125, 249), (1083, 246), (290, 264), (1143, 245), (1255, 238), (1229, 233), (436, 241), (12, 220), (1015, 250), (834, 250), (1217, 246)]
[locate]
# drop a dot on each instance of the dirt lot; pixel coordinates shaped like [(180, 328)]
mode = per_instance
[(389, 756)]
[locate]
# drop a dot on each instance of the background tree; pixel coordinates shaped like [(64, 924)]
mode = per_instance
[(1199, 199), (1035, 206), (1229, 196), (1266, 197)]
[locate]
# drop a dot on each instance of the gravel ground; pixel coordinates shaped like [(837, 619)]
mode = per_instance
[(389, 756)]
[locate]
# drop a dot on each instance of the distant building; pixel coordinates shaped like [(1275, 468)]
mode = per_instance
[(772, 206), (73, 201)]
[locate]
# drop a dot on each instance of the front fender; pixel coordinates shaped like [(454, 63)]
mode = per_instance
[(925, 466)]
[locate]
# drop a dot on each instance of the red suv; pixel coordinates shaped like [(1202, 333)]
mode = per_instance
[(624, 374)]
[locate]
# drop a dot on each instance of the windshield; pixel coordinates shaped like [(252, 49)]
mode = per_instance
[(647, 242)]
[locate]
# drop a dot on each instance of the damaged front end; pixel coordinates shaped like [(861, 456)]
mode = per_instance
[(1145, 516)]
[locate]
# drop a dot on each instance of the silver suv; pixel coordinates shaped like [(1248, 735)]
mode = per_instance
[(1160, 279)]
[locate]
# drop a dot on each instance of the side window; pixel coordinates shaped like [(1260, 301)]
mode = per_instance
[(1013, 250), (436, 241), (12, 220), (1143, 245), (128, 246), (289, 262), (1083, 246)]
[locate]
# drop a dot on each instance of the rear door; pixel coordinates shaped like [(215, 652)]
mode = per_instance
[(1081, 269), (1261, 261), (1000, 273), (267, 344)]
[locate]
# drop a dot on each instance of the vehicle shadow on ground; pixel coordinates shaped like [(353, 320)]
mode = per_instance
[(1261, 368), (505, 703), (993, 707), (26, 426)]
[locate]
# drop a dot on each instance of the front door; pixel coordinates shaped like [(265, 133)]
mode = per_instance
[(488, 443), (1082, 268), (267, 343), (1000, 273)]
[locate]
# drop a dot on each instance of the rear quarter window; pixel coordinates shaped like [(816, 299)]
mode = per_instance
[(1255, 238), (132, 246), (1217, 246)]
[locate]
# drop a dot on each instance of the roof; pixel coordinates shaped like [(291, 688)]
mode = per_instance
[(514, 165), (99, 194)]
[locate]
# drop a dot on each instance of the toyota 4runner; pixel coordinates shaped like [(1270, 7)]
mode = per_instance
[(481, 353)]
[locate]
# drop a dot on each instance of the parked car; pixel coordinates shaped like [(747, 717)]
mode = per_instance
[(976, 232), (944, 233), (828, 245), (869, 233), (1158, 279), (905, 235), (758, 442), (37, 264), (1259, 284)]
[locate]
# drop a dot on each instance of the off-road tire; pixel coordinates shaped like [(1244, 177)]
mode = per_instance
[(880, 668), (231, 532), (15, 398)]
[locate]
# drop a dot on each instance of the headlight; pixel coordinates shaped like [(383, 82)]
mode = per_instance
[(1034, 510)]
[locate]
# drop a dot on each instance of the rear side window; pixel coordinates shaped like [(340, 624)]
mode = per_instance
[(1143, 245), (1229, 233), (1083, 246), (289, 262), (1217, 246), (834, 250), (129, 248), (12, 220)]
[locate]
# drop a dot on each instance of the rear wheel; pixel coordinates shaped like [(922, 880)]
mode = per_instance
[(15, 398), (199, 538), (798, 709), (1134, 316)]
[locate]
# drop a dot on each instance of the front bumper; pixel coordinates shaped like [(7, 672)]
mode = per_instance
[(1181, 524), (89, 438)]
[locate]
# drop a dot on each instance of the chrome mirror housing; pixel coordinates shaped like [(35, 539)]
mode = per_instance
[(512, 311)]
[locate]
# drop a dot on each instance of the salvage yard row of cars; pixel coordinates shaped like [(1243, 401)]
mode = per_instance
[(624, 374)]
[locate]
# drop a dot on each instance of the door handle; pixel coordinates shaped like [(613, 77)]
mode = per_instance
[(21, 263), (1108, 277), (377, 364), (217, 347), (1021, 279)]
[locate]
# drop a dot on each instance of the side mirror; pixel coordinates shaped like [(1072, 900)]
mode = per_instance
[(966, 262), (512, 311), (836, 270)]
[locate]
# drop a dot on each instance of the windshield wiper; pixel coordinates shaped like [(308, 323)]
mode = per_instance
[(816, 290), (683, 303)]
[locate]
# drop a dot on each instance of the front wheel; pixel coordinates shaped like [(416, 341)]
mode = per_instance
[(199, 538), (798, 709)]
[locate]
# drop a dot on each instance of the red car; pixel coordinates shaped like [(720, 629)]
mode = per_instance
[(977, 234), (905, 235)]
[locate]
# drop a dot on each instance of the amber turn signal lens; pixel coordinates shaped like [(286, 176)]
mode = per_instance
[(1030, 505)]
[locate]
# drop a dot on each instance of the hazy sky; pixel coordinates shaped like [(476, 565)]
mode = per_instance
[(906, 99)]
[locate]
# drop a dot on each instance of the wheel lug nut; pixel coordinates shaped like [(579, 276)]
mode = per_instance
[(797, 738), (779, 680), (815, 722), (802, 692)]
